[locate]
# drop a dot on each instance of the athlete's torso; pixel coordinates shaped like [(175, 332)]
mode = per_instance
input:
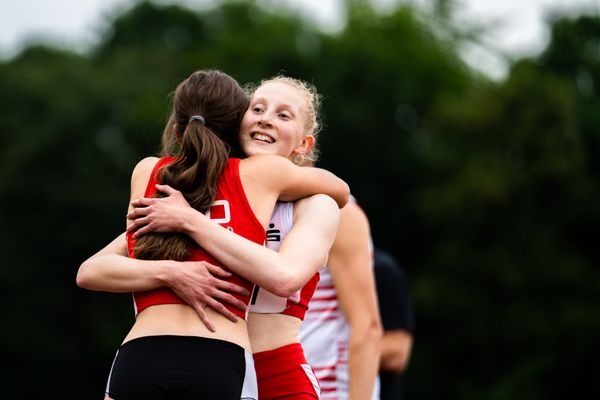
[(275, 321), (161, 311)]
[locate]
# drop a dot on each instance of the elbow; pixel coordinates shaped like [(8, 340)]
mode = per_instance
[(396, 351), (344, 196), (285, 285), (396, 366), (370, 331), (83, 278), (398, 363), (285, 290), (375, 328), (80, 281), (377, 331)]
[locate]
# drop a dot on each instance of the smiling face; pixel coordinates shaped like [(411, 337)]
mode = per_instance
[(275, 122)]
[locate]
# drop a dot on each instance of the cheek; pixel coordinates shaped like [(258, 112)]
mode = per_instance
[(244, 125), (247, 119), (291, 136)]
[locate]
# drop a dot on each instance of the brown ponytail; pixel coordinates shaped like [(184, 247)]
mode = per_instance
[(201, 150)]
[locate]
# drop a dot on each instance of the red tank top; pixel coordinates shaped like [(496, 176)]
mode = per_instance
[(231, 210)]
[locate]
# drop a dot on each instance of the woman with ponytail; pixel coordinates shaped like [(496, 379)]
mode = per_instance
[(173, 352)]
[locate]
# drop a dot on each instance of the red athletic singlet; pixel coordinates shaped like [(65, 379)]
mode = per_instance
[(231, 210)]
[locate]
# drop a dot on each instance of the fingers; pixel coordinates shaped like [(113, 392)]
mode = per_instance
[(230, 299), (221, 309), (140, 227), (136, 223), (166, 189), (138, 211), (218, 307), (203, 317), (141, 231), (233, 288), (137, 219), (143, 202), (217, 271)]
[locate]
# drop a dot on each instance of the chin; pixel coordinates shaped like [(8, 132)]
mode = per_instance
[(256, 150)]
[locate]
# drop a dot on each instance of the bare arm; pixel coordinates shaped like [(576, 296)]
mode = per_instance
[(351, 268), (395, 350), (197, 283), (301, 254), (293, 182), (110, 270)]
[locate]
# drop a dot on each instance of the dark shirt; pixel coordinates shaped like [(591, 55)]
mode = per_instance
[(396, 310)]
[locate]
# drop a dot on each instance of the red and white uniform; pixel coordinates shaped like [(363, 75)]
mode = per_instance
[(231, 210), (284, 372), (325, 337), (265, 302)]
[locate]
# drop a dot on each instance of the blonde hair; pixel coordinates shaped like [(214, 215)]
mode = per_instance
[(313, 103)]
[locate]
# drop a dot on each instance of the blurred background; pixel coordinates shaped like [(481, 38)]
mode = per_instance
[(478, 167)]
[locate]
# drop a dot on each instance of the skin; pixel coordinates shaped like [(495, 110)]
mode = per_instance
[(350, 265), (261, 194), (181, 319), (269, 127), (395, 350), (274, 124), (349, 261), (277, 126)]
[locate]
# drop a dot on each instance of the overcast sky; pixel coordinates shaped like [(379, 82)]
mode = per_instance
[(516, 27)]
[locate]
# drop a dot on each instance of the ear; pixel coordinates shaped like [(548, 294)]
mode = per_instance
[(308, 142)]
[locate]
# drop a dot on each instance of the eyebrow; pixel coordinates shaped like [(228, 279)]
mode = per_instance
[(286, 106)]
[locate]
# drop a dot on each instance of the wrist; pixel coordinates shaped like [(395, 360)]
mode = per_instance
[(167, 270), (190, 221), (195, 223)]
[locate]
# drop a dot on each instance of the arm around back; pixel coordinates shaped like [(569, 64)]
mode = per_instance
[(293, 182), (110, 270), (302, 253)]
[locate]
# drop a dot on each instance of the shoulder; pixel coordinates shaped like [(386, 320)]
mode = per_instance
[(317, 202), (354, 232), (145, 164), (353, 215), (143, 169), (269, 171), (269, 161)]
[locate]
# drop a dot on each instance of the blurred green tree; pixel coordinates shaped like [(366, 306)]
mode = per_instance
[(485, 190)]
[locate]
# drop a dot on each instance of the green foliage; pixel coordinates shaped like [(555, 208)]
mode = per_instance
[(486, 191)]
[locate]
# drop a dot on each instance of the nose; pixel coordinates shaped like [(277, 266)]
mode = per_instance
[(264, 121)]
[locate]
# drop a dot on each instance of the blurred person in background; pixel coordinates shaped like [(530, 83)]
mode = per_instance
[(397, 317), (341, 332)]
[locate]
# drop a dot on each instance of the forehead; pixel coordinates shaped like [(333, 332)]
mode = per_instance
[(281, 93)]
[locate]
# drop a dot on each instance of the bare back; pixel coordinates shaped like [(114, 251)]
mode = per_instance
[(179, 319)]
